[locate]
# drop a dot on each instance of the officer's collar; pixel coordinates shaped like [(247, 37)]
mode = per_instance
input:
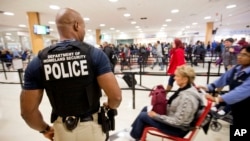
[(67, 41)]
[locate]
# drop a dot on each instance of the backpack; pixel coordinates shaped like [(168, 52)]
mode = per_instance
[(114, 57), (158, 100)]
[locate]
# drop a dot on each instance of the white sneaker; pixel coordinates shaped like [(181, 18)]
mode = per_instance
[(214, 109), (221, 113)]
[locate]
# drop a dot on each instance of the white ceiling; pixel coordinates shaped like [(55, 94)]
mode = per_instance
[(156, 11)]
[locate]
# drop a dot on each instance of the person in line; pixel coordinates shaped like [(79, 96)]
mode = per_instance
[(110, 52), (181, 108), (238, 97), (177, 58), (158, 56), (229, 57), (72, 73)]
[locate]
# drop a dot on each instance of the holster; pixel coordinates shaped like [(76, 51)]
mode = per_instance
[(107, 120)]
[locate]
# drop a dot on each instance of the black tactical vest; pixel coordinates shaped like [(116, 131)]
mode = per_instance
[(69, 80)]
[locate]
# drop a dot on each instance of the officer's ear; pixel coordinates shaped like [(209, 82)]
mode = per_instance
[(76, 26)]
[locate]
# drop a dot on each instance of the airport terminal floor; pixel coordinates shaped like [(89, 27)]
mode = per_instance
[(13, 127)]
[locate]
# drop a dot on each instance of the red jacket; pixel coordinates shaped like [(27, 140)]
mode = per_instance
[(177, 58)]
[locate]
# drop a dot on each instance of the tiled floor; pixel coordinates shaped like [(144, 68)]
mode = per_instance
[(13, 128)]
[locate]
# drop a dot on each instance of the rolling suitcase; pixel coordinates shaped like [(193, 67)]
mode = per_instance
[(128, 78)]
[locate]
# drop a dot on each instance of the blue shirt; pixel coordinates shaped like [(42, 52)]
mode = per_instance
[(237, 94), (33, 78)]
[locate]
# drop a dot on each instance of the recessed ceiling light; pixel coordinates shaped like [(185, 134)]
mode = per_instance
[(208, 17), (89, 30), (22, 25), (175, 11), (168, 20), (194, 23), (231, 6), (51, 22), (102, 25), (54, 7), (137, 26), (113, 0), (117, 30), (8, 34), (133, 22), (187, 26), (112, 28), (126, 15), (86, 19), (8, 13), (165, 25)]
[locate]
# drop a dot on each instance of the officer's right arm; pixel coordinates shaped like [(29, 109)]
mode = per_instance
[(109, 84)]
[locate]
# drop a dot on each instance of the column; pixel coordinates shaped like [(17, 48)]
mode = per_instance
[(209, 30), (36, 40), (98, 36)]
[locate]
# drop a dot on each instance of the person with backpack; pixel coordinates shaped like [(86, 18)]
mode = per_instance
[(238, 97), (181, 108)]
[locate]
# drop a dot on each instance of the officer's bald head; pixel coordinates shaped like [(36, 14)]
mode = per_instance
[(70, 24)]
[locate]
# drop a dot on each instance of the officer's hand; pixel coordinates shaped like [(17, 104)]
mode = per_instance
[(105, 104), (50, 134)]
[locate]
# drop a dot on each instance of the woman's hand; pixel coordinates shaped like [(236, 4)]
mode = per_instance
[(152, 114), (202, 87), (209, 97)]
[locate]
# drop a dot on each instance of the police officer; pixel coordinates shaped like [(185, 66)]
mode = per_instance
[(72, 73), (239, 83)]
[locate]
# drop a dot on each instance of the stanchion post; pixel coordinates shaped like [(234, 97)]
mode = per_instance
[(20, 73), (4, 71), (208, 71), (133, 90), (140, 73)]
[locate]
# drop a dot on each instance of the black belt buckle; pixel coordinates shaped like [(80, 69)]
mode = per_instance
[(71, 122)]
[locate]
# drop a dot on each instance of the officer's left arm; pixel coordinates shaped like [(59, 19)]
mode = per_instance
[(29, 102), (111, 88)]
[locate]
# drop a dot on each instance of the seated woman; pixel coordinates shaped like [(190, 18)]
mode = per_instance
[(181, 108)]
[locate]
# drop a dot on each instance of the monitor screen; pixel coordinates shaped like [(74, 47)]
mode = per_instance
[(41, 29)]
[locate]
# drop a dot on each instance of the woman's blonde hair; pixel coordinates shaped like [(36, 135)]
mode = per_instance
[(186, 71)]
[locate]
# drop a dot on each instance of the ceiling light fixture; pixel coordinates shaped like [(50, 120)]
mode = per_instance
[(86, 19), (51, 22), (133, 22), (175, 11), (54, 7), (164, 25), (112, 28), (208, 17), (113, 0), (168, 20), (22, 25), (194, 23), (102, 25), (8, 13), (231, 6), (126, 15)]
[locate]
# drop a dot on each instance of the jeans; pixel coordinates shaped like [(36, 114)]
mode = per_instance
[(144, 120)]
